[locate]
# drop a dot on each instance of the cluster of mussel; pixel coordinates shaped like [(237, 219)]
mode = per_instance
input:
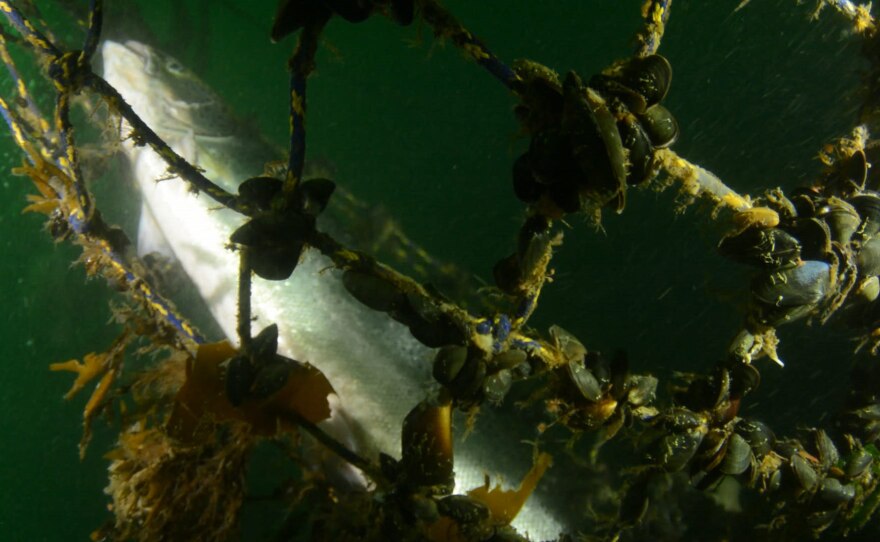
[(588, 142), (704, 438), (590, 392), (819, 251)]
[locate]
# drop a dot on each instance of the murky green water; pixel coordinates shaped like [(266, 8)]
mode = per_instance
[(411, 125)]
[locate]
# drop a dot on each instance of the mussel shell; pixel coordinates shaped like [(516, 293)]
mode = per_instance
[(767, 248), (566, 196), (858, 462), (571, 347), (807, 477), (868, 258), (641, 151), (868, 288), (313, 195), (595, 142), (535, 226), (849, 174), (550, 157), (509, 359), (744, 378), (675, 450), (642, 389), (828, 454), (660, 125), (814, 236), (834, 492), (650, 76), (842, 220), (471, 515), (294, 14), (737, 457), (448, 363), (525, 186), (265, 343), (872, 156), (507, 274), (373, 291), (259, 191), (611, 86), (583, 380), (276, 262), (798, 286), (427, 322), (239, 379), (758, 434), (271, 377), (274, 242), (426, 442), (496, 386), (469, 380), (868, 207)]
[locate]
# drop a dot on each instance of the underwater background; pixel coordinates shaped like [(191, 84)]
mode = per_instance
[(408, 123)]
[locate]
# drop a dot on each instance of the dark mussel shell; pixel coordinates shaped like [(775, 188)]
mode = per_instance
[(868, 258), (260, 191), (767, 248), (595, 142), (273, 243), (792, 293), (849, 175), (373, 291), (295, 14), (313, 195), (814, 236), (758, 434), (650, 76), (660, 125), (610, 86), (868, 207), (842, 219), (427, 322), (525, 185), (641, 150), (426, 442), (737, 456)]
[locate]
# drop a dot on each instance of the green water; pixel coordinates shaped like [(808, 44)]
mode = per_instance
[(411, 124)]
